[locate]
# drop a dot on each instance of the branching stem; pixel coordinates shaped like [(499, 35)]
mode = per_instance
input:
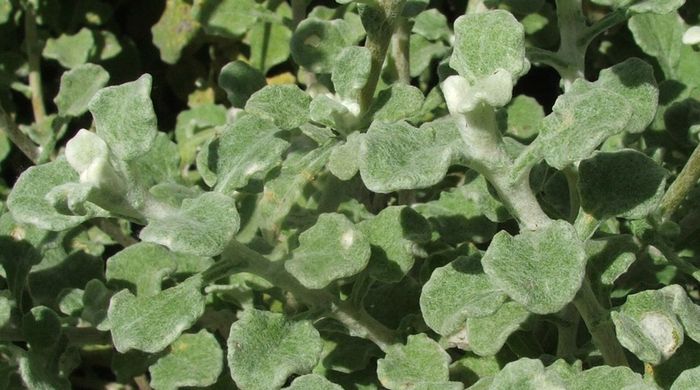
[(686, 180), (34, 60), (9, 127)]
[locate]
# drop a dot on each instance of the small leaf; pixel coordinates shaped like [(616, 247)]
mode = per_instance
[(687, 380), (240, 81), (28, 203), (396, 103), (658, 36), (316, 44), (521, 118), (193, 360), (487, 335), (312, 382), (229, 19), (457, 291), (422, 52), (151, 323), (343, 160), (247, 149), (542, 269), (432, 25), (525, 374), (265, 348), (351, 71), (95, 304), (141, 268), (78, 86), (285, 105), (124, 117), (71, 50), (269, 42), (332, 249), (606, 377), (398, 156), (625, 183), (174, 30), (610, 257), (421, 361), (395, 235), (203, 226), (487, 42)]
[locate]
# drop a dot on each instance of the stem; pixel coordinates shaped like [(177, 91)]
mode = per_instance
[(239, 258), (9, 127), (680, 187), (298, 12), (610, 20), (567, 332), (34, 58), (571, 26), (380, 23), (400, 45), (677, 261), (598, 322), (142, 382)]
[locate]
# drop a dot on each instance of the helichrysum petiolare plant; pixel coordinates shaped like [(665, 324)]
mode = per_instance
[(351, 194)]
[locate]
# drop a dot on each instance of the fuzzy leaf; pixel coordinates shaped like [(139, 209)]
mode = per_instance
[(457, 291), (395, 235), (332, 249), (644, 6), (151, 323), (687, 380), (312, 382), (78, 86), (71, 50), (396, 103), (269, 42), (240, 81), (487, 42), (343, 160), (174, 30), (542, 270), (265, 348), (432, 25), (141, 268), (525, 374), (193, 360), (124, 117), (606, 377), (626, 183), (421, 361), (229, 19), (658, 36), (487, 335), (203, 226), (316, 44), (285, 105), (351, 71), (521, 118)]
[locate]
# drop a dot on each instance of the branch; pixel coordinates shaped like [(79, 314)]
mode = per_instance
[(34, 58), (686, 180), (9, 127)]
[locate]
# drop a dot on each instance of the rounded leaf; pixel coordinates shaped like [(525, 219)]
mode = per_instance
[(193, 360)]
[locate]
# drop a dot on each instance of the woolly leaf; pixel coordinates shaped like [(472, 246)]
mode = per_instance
[(174, 30), (71, 50), (317, 43), (240, 81), (312, 382), (285, 105), (229, 19), (193, 360), (487, 335), (78, 86), (141, 268)]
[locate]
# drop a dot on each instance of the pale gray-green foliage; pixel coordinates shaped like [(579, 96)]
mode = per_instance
[(487, 335), (521, 118), (89, 156), (396, 235), (95, 304), (542, 269), (651, 323), (398, 156), (141, 268), (432, 25), (526, 374), (174, 30), (346, 354), (487, 42), (317, 43), (202, 226), (158, 166), (422, 52), (687, 380), (457, 291), (71, 50), (624, 183), (398, 102), (269, 41), (606, 377), (351, 71), (330, 112), (229, 19), (240, 81), (38, 367), (312, 382), (124, 117), (420, 362), (70, 301), (265, 348), (610, 257), (644, 6), (658, 36), (285, 105), (193, 360), (247, 149), (343, 159), (28, 203), (151, 323), (78, 86), (331, 249)]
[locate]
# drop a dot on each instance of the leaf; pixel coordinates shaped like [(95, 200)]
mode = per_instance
[(625, 183), (521, 118), (398, 156), (644, 6), (687, 380), (457, 291), (420, 362), (343, 159), (486, 43), (398, 102), (78, 86), (269, 42), (240, 81), (312, 382), (610, 257), (95, 304), (203, 226), (422, 52), (229, 19), (193, 360), (39, 368), (396, 235), (316, 44), (332, 249), (658, 36), (525, 374), (542, 269), (351, 71), (285, 105), (605, 377), (71, 50), (141, 268), (28, 203), (432, 25), (265, 348), (487, 335), (174, 30), (124, 117), (151, 323)]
